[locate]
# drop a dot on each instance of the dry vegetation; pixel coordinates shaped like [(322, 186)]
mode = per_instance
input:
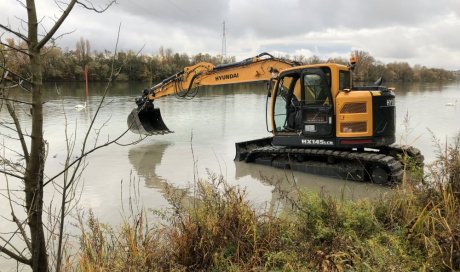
[(415, 227)]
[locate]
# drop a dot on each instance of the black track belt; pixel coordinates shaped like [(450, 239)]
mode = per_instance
[(390, 159)]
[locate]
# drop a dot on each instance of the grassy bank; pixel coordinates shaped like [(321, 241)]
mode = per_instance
[(415, 227)]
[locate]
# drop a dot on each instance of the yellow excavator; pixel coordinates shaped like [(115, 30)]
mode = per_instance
[(321, 123)]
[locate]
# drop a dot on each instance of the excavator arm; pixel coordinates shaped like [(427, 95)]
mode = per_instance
[(146, 118)]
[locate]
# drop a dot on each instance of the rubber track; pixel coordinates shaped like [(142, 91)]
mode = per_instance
[(400, 151), (366, 159)]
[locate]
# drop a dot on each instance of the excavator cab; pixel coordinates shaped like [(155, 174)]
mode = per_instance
[(302, 103)]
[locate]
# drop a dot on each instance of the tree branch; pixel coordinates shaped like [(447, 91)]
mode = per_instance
[(19, 79), (13, 255), (22, 4), (56, 26), (17, 124), (90, 6), (19, 35), (10, 174), (16, 220), (64, 15), (10, 253), (14, 100), (20, 50), (83, 156), (62, 35)]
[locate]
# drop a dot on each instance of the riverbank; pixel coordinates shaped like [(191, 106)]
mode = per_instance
[(415, 226)]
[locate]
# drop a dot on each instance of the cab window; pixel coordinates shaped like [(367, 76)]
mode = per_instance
[(316, 89)]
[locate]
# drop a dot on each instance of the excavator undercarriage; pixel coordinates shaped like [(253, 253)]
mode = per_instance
[(384, 166)]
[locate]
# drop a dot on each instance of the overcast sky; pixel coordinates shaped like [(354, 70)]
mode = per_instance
[(425, 32)]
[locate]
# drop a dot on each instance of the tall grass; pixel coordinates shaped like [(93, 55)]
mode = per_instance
[(414, 227)]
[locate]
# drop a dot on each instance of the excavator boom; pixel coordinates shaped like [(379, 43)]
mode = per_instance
[(146, 118)]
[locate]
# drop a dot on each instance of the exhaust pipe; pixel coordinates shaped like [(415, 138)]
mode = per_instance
[(147, 122)]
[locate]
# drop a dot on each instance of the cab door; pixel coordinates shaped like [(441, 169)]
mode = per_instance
[(286, 103)]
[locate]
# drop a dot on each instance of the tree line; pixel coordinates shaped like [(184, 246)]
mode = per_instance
[(369, 69), (69, 65)]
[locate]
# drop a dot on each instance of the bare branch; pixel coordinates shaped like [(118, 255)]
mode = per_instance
[(5, 125), (56, 26), (41, 20), (64, 15), (22, 21), (14, 100), (20, 50), (58, 4), (23, 232), (23, 24), (19, 78), (19, 35), (19, 257), (21, 3), (11, 175), (16, 257), (17, 124), (70, 146), (17, 203), (85, 154), (62, 35), (16, 220), (88, 5), (13, 167), (6, 219)]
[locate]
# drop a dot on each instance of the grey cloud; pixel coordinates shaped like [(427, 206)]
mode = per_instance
[(389, 30), (198, 13), (274, 18)]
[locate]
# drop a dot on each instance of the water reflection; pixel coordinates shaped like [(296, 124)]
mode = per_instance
[(145, 159), (290, 181)]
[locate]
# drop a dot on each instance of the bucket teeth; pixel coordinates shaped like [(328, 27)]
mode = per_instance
[(147, 122)]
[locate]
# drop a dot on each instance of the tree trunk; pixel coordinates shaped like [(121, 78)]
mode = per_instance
[(34, 170)]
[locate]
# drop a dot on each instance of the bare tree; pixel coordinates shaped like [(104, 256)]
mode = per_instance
[(34, 151), (83, 50)]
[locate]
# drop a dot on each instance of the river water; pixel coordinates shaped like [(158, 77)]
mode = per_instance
[(206, 129)]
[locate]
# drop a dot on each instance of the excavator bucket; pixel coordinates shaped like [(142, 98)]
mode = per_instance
[(147, 122)]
